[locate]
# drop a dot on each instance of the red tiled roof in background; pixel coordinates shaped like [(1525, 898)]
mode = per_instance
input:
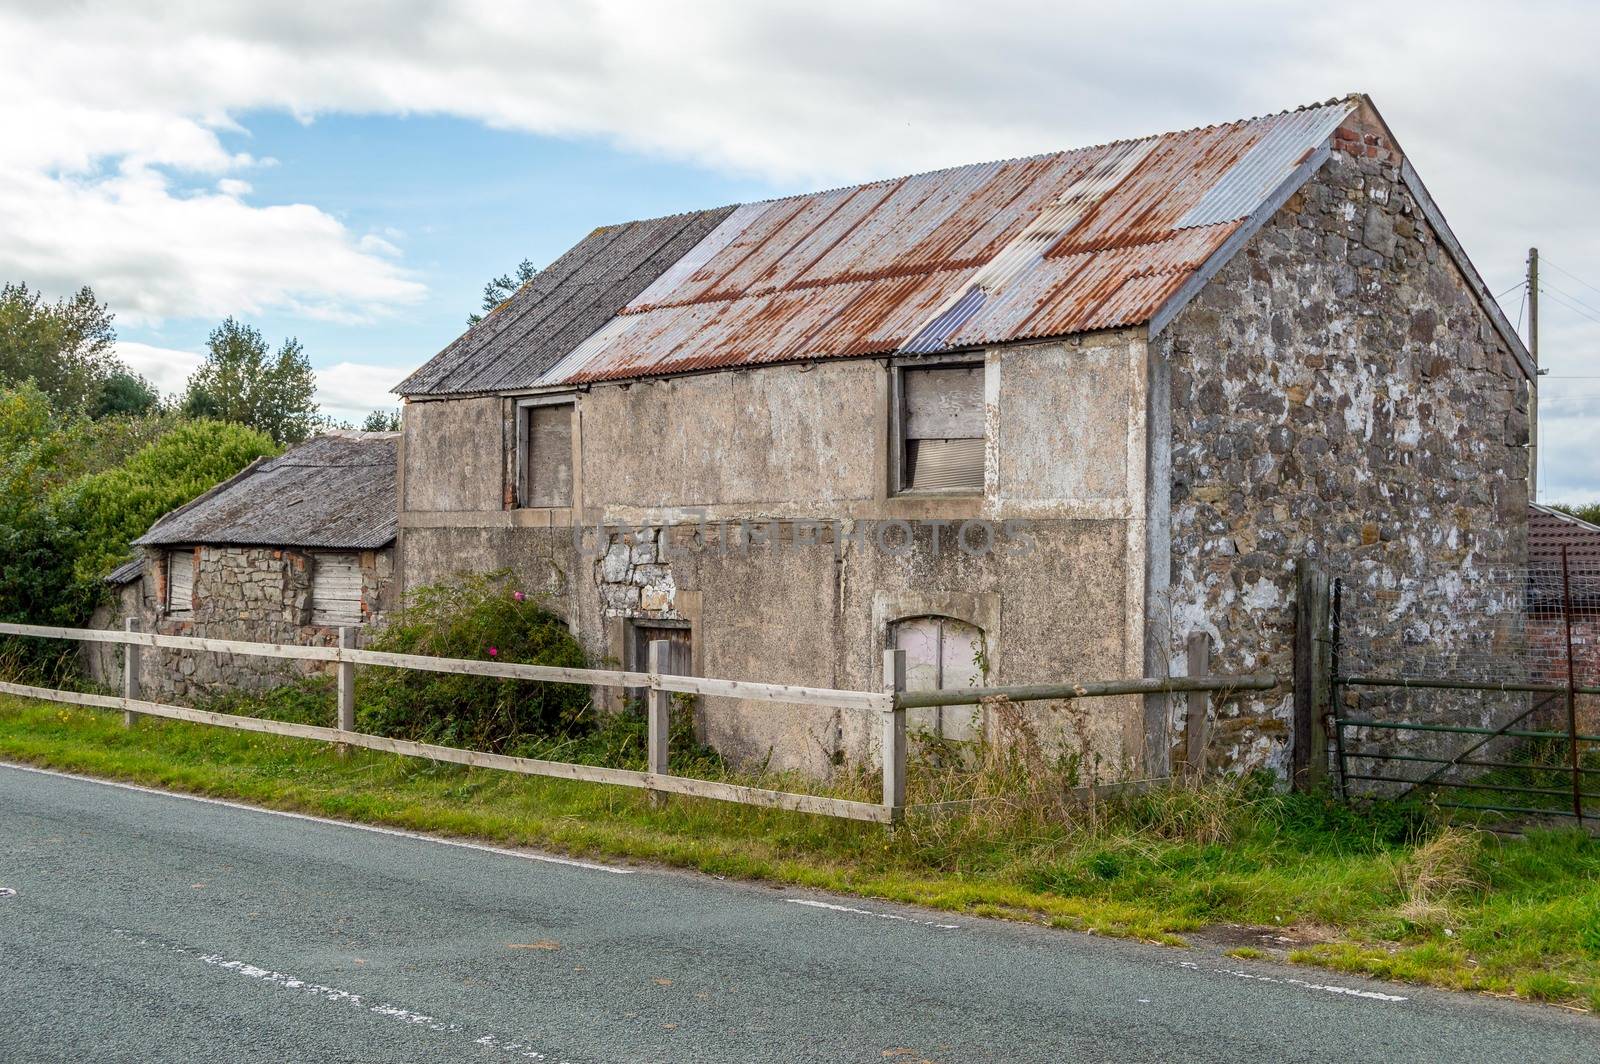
[(1549, 530)]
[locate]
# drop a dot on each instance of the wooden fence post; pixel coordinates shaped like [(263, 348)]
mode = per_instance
[(347, 687), (660, 715), (130, 671), (1196, 724), (894, 737), (1309, 752)]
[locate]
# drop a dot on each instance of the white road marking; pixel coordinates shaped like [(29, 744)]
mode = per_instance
[(396, 832), (333, 995), (1349, 991), (868, 912)]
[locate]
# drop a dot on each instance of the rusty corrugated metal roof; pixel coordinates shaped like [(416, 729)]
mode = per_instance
[(335, 491), (1022, 249)]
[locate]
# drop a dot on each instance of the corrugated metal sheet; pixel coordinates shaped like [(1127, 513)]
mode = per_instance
[(126, 573), (335, 491), (564, 304), (1261, 169), (1021, 249)]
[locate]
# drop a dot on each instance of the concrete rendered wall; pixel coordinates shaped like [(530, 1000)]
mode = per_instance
[(1336, 392), (800, 453)]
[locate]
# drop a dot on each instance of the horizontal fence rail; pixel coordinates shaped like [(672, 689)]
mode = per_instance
[(528, 766), (891, 704), (1093, 689)]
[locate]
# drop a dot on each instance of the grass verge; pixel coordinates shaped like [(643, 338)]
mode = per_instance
[(1387, 892)]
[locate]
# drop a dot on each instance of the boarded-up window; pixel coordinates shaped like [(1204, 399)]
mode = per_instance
[(544, 455), (336, 589), (942, 654), (680, 655), (942, 429), (180, 581)]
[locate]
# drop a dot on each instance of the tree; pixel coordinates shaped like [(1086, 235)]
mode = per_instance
[(107, 510), (64, 347), (124, 392), (1583, 511), (241, 382), (382, 421), (500, 289)]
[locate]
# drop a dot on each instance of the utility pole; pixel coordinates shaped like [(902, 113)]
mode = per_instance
[(1533, 385)]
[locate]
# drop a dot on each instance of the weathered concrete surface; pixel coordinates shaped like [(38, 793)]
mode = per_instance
[(453, 456), (801, 453), (1338, 393)]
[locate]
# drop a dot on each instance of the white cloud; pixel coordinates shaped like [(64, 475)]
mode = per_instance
[(165, 367), (352, 390), (100, 108)]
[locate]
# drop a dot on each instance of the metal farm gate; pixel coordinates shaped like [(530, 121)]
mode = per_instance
[(1477, 689)]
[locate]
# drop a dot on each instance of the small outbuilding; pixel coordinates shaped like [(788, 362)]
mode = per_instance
[(289, 550)]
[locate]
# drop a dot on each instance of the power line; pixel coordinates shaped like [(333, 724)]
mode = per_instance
[(1547, 288), (1513, 288), (1576, 308), (1572, 275)]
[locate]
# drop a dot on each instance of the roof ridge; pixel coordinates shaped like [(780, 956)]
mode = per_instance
[(1332, 102)]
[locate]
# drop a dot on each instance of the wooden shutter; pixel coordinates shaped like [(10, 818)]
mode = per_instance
[(943, 434), (336, 589), (942, 654), (547, 458), (180, 581)]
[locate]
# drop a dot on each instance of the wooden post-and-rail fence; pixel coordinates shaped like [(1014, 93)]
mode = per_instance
[(667, 677)]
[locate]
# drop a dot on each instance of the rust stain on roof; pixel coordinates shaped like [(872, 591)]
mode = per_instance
[(996, 252)]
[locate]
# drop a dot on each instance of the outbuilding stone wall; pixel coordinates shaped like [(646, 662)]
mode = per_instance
[(1337, 392), (254, 594)]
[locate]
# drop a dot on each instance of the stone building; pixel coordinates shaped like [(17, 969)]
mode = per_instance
[(1564, 599), (1031, 420), (289, 550)]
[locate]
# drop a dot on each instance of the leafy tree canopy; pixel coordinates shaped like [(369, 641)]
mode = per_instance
[(499, 289), (382, 421), (110, 509), (64, 347), (241, 381), (124, 392), (1586, 511)]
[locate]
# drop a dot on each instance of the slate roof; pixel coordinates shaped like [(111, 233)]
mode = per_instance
[(335, 491), (562, 305)]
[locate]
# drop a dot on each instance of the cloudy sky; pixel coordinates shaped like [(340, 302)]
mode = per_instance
[(351, 173)]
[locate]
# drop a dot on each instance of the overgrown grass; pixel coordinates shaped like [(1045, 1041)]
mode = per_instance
[(1388, 891)]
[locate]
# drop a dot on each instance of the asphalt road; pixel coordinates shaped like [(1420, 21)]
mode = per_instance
[(153, 927)]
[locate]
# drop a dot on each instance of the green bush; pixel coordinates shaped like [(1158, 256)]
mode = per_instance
[(479, 617), (110, 509)]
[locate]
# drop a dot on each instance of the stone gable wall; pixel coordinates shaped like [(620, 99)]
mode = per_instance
[(1336, 392)]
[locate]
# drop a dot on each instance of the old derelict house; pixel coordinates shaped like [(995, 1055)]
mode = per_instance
[(1032, 420), (289, 550)]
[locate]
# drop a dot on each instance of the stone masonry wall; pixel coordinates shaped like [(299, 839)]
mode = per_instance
[(255, 594), (1337, 392)]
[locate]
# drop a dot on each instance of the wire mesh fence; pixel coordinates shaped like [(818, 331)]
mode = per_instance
[(1478, 688)]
